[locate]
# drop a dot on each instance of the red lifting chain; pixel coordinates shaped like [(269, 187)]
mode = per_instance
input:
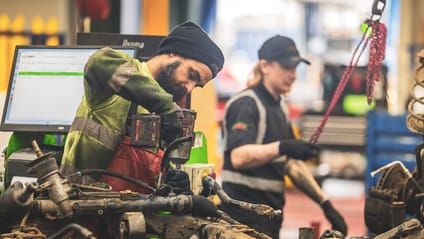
[(377, 40)]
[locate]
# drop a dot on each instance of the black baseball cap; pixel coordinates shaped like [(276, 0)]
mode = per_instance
[(281, 49)]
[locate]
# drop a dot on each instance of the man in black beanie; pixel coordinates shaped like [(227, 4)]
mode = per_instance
[(190, 41), (118, 86)]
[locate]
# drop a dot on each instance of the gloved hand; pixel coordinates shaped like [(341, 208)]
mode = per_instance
[(178, 180), (334, 217), (298, 149), (171, 126)]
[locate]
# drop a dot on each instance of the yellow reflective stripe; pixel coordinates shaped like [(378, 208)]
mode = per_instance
[(262, 184), (97, 131)]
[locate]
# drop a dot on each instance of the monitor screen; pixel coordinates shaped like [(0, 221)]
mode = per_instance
[(45, 87), (353, 99)]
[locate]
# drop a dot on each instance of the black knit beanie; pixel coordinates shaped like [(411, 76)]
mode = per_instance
[(191, 41)]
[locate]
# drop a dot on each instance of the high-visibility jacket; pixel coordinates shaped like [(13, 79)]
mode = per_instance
[(112, 80)]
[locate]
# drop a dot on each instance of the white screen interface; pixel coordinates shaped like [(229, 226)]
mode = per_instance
[(46, 87)]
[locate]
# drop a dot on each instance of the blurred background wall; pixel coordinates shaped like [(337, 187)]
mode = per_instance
[(326, 32)]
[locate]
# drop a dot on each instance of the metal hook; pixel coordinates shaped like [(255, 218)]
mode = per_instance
[(378, 8)]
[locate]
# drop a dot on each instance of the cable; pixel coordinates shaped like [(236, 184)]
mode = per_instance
[(116, 175), (84, 232), (377, 40)]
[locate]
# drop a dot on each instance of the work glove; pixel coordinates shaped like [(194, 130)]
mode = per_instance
[(178, 180), (171, 126), (334, 217), (298, 149)]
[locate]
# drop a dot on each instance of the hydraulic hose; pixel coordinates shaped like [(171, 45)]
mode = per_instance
[(113, 174), (180, 204), (259, 209), (84, 232)]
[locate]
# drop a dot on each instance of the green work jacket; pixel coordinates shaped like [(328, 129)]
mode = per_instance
[(112, 80)]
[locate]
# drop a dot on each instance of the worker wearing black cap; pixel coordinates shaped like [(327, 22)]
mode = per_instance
[(187, 58), (260, 147)]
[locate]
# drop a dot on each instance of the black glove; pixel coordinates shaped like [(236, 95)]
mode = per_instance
[(178, 180), (298, 149), (333, 216), (171, 126)]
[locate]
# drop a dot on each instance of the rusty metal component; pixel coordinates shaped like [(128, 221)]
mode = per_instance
[(15, 203), (182, 226), (410, 229), (47, 171), (390, 165), (73, 230), (24, 232), (405, 171), (398, 209), (332, 234), (217, 230), (37, 149), (306, 233), (187, 227), (132, 225), (259, 209), (127, 214), (167, 226), (415, 119), (180, 204), (145, 130), (182, 153)]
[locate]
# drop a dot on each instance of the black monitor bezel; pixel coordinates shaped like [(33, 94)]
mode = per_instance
[(147, 45)]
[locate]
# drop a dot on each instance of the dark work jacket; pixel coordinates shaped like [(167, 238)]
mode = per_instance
[(255, 117)]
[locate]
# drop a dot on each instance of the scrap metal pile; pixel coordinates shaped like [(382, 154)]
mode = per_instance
[(394, 207), (53, 207)]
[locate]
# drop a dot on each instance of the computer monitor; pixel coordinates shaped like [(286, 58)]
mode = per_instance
[(45, 87), (353, 100)]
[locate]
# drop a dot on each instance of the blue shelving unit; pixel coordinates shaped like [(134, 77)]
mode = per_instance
[(388, 140)]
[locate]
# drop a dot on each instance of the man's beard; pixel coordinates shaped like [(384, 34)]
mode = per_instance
[(167, 81)]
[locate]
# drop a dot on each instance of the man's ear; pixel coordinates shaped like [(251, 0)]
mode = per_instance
[(262, 63)]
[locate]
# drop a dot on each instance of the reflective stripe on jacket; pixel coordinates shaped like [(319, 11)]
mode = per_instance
[(230, 176)]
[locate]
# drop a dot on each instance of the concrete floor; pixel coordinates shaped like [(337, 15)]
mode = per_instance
[(348, 196)]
